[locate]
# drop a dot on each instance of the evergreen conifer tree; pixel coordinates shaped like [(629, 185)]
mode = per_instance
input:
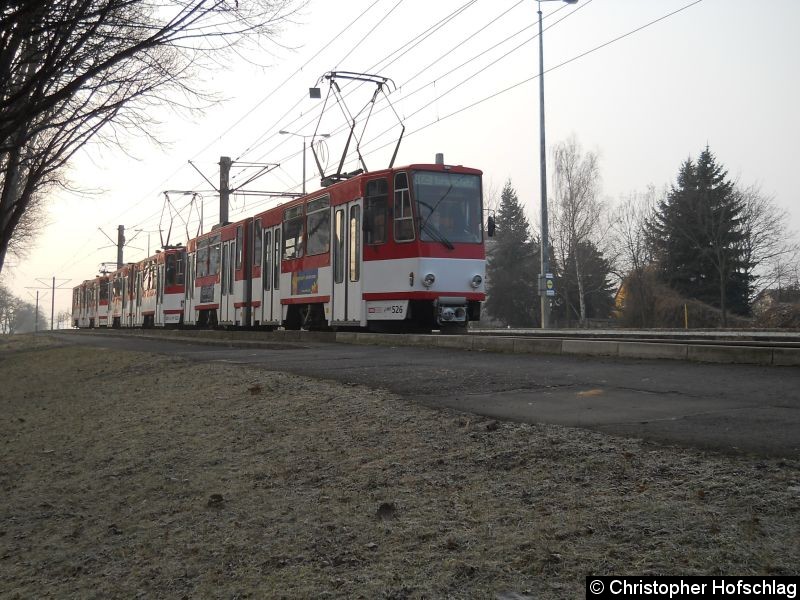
[(696, 235), (512, 293), (597, 287)]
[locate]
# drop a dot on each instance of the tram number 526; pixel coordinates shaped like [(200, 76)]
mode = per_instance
[(391, 310)]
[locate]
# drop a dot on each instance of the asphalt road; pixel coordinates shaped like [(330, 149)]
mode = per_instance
[(725, 408)]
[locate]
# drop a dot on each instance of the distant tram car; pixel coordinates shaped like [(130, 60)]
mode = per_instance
[(149, 293), (395, 250), (159, 289), (218, 283), (90, 303)]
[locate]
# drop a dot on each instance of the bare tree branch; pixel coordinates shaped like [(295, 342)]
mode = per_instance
[(75, 71), (577, 209)]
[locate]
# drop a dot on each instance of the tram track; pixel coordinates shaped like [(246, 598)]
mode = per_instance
[(732, 347), (732, 338)]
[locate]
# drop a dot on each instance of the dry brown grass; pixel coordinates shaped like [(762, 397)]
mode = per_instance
[(126, 475)]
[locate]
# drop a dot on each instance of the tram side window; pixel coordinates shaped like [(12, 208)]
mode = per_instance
[(403, 219), (266, 274), (355, 243), (224, 279), (276, 261), (213, 259), (231, 275), (293, 223), (202, 261), (338, 247), (171, 269), (257, 243), (239, 244), (376, 211), (319, 226), (189, 284), (190, 275)]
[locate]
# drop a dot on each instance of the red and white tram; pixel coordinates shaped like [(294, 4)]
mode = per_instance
[(399, 249), (149, 293), (218, 287), (159, 289), (90, 303)]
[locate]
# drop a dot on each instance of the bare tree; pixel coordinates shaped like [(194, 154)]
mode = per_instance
[(770, 249), (73, 71), (632, 254), (63, 318), (8, 305), (491, 197), (576, 210)]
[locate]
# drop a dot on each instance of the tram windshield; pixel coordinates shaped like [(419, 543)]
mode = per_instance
[(448, 207)]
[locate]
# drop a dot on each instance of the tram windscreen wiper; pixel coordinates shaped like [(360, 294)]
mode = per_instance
[(437, 235), (435, 206)]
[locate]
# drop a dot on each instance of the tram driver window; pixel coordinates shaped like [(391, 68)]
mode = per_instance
[(319, 226), (293, 225), (202, 260), (239, 246), (403, 219), (171, 269), (257, 243), (376, 211), (214, 259)]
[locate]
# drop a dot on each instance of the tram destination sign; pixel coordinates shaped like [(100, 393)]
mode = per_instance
[(463, 181)]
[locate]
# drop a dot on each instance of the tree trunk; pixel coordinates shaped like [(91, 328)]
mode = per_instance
[(581, 293), (722, 294)]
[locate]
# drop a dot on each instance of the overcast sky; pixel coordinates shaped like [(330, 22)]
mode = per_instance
[(720, 72)]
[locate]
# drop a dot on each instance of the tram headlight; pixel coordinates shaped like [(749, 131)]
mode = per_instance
[(428, 280), (477, 281)]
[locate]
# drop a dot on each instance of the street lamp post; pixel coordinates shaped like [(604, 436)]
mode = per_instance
[(544, 291), (322, 135)]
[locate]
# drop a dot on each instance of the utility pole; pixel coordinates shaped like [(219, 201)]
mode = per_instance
[(224, 189), (544, 249), (52, 289), (120, 245), (36, 313)]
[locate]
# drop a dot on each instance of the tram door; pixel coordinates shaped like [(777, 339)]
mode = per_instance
[(158, 318), (123, 319), (271, 275), (226, 283), (347, 264)]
